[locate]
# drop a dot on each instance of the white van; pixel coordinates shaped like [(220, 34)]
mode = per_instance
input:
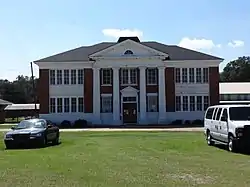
[(229, 125)]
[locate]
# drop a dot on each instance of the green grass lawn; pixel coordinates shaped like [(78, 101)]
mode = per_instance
[(125, 159), (6, 126)]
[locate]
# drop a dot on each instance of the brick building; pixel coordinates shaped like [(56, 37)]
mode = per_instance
[(128, 81)]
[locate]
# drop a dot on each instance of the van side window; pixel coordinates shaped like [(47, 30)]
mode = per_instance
[(224, 114), (214, 114), (218, 114), (209, 113)]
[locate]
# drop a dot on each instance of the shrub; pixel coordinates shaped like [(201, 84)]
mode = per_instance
[(197, 122), (80, 123), (65, 124), (187, 122), (177, 122)]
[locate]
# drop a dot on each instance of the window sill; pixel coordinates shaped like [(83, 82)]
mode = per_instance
[(106, 85), (152, 84), (129, 84)]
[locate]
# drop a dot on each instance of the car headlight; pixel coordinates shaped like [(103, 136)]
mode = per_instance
[(239, 132), (36, 135), (8, 136)]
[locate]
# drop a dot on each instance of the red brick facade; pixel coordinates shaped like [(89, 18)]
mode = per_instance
[(88, 90), (170, 89), (43, 94), (214, 78)]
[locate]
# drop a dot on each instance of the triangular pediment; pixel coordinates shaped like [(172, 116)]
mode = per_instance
[(129, 89), (128, 49)]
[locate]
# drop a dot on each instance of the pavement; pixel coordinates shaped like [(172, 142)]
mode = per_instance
[(190, 129)]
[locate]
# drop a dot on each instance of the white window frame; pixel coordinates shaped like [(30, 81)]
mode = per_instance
[(184, 75), (155, 96), (186, 104), (80, 76), (205, 104), (199, 106), (179, 104), (52, 77), (108, 79), (52, 107), (66, 76), (72, 105), (177, 75), (198, 75), (205, 75), (66, 106), (80, 106), (129, 76), (192, 105), (191, 75), (59, 106), (73, 79), (152, 76), (106, 109), (59, 77)]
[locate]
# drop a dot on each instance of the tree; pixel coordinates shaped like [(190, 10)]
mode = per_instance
[(237, 70)]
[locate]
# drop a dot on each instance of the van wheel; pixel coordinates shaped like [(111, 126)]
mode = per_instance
[(210, 141), (232, 146)]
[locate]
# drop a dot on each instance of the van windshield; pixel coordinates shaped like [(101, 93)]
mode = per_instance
[(239, 113)]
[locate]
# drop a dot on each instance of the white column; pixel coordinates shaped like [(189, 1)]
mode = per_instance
[(96, 95), (162, 95), (116, 97), (143, 113)]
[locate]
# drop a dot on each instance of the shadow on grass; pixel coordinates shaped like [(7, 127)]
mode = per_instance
[(243, 151), (30, 147)]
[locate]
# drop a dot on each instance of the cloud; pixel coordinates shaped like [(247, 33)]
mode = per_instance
[(116, 33), (198, 44), (236, 43)]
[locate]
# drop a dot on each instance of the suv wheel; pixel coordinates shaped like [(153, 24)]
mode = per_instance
[(232, 147), (210, 141)]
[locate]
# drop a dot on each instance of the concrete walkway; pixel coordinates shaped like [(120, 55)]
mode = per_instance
[(194, 129)]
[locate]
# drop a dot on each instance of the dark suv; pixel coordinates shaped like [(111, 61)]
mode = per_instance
[(32, 132)]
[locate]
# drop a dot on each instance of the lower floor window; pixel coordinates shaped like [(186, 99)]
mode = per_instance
[(107, 104), (152, 103), (80, 104), (66, 105), (52, 105), (59, 105)]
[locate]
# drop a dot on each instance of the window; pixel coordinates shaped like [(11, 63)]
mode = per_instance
[(73, 104), (129, 76), (66, 105), (128, 52), (185, 103), (184, 75), (206, 102), (107, 103), (191, 75), (124, 76), (106, 76), (59, 105), (151, 76), (80, 104), (214, 114), (129, 99), (199, 103), (178, 103), (66, 76), (133, 76), (218, 114), (52, 105), (192, 103), (73, 76), (224, 115), (80, 76), (239, 113), (177, 75), (198, 75), (209, 113), (52, 76), (59, 76), (152, 103), (205, 75)]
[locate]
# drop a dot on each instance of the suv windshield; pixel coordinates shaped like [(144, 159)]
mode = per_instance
[(239, 113), (25, 124)]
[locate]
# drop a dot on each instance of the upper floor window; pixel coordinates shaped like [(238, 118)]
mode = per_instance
[(191, 75), (129, 76), (151, 76), (73, 76), (66, 76), (198, 75), (59, 76), (106, 76), (52, 74), (177, 75), (128, 52), (184, 75), (80, 76), (205, 75)]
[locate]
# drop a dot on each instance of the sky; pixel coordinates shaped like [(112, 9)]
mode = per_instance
[(31, 30)]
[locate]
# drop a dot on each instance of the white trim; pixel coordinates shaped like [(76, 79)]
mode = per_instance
[(111, 48), (192, 63), (106, 95), (152, 94)]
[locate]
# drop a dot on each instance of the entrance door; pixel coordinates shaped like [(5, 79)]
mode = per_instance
[(129, 113)]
